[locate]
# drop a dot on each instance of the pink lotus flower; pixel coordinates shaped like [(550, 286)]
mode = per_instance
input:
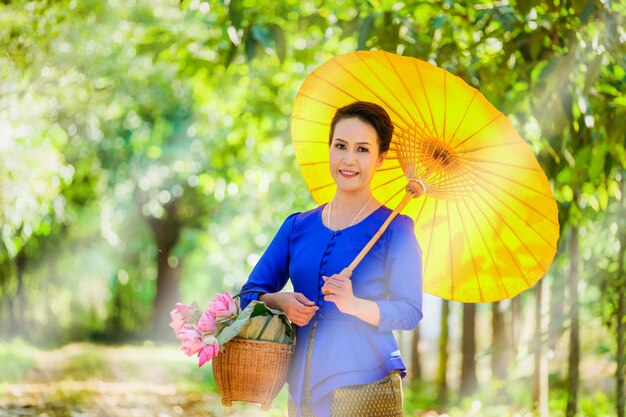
[(209, 350), (181, 315), (223, 306), (207, 324), (198, 330), (191, 341)]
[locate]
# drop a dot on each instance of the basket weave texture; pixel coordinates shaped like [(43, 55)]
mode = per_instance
[(251, 370)]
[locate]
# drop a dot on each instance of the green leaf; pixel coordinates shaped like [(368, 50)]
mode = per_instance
[(232, 53), (235, 12), (365, 31), (263, 35), (250, 45), (279, 40), (438, 21), (254, 321)]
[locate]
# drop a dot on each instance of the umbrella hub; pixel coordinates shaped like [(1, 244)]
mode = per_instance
[(442, 156)]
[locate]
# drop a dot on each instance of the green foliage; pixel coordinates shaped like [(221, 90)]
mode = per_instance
[(16, 361), (111, 114)]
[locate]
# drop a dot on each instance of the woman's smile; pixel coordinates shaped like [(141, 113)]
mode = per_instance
[(348, 174)]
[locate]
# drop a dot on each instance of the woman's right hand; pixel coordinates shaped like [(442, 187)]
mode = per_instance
[(299, 309)]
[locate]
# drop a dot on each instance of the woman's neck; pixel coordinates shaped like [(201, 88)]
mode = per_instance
[(351, 202)]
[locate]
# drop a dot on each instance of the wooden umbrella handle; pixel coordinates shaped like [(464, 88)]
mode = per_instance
[(413, 190)]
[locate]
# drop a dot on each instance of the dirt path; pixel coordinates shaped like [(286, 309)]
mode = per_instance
[(96, 381)]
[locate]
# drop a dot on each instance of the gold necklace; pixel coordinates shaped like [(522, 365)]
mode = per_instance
[(330, 208)]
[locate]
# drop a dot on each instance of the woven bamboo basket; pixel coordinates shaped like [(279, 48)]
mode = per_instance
[(251, 370)]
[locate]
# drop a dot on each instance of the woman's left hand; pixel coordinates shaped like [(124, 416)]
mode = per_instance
[(338, 289)]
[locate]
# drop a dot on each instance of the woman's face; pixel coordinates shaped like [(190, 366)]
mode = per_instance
[(354, 155)]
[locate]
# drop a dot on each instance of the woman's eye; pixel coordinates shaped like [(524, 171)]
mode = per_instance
[(339, 145), (362, 149)]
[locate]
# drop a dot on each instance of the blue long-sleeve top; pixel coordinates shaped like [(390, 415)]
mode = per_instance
[(347, 350)]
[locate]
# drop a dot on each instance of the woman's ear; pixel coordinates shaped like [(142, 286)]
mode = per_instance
[(381, 158)]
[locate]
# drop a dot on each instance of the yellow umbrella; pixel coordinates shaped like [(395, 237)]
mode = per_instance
[(485, 218)]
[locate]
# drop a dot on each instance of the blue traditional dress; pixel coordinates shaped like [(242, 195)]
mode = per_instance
[(347, 351)]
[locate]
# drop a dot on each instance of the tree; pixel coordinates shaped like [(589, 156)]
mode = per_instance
[(469, 382), (442, 369)]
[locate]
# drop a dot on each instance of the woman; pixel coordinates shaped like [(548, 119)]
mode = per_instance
[(346, 360)]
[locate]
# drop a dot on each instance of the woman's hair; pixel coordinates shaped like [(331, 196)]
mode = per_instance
[(370, 113)]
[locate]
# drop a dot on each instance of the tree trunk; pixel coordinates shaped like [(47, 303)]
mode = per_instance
[(540, 376), (469, 382), (499, 344), (621, 316), (416, 364), (558, 301), (516, 323), (20, 266), (574, 340), (166, 231), (442, 369)]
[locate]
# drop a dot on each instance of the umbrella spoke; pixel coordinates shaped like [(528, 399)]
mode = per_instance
[(463, 118), (495, 174), (501, 163), (480, 130), (503, 244), (425, 90), (321, 187), (485, 243), (511, 229), (308, 164), (424, 128), (368, 88), (469, 247), (490, 146)]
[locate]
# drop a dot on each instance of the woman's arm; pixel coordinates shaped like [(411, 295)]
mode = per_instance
[(271, 273), (403, 269)]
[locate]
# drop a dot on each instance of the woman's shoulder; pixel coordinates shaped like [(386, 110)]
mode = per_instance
[(401, 221), (300, 217)]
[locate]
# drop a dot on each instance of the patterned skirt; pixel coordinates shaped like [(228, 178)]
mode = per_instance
[(381, 398)]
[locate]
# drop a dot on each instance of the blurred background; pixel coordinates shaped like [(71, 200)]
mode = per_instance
[(146, 158)]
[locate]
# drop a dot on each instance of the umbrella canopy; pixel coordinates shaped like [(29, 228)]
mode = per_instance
[(487, 220)]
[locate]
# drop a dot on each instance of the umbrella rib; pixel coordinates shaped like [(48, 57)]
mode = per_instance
[(432, 116), (481, 129), (424, 128), (513, 195), (463, 118), (325, 103), (304, 119), (501, 163), (321, 187), (322, 142), (482, 237), (389, 182), (469, 246), (515, 212), (495, 145), (513, 230), (389, 168), (365, 86), (307, 164), (504, 245), (445, 104), (391, 91)]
